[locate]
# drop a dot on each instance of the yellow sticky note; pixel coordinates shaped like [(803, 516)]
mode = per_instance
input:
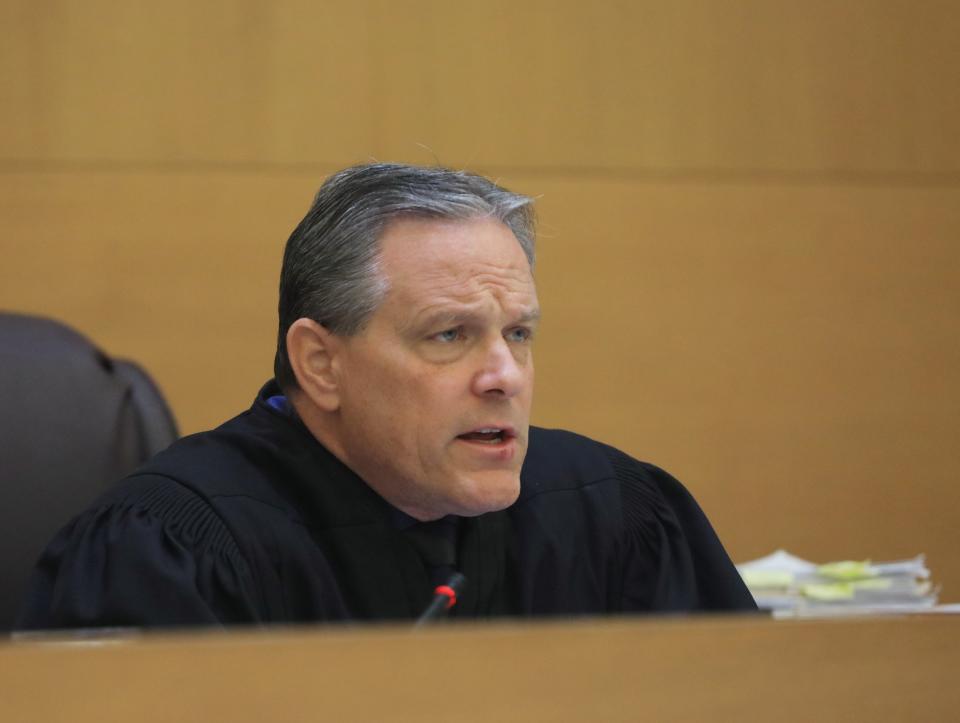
[(767, 578), (847, 570), (828, 591)]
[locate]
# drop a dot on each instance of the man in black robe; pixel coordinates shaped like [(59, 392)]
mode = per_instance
[(392, 450)]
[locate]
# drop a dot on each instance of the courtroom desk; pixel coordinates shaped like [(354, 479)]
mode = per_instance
[(653, 669)]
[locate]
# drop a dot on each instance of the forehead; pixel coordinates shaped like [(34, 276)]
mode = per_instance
[(429, 261)]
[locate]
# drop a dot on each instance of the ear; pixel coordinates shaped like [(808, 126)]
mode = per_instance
[(312, 351)]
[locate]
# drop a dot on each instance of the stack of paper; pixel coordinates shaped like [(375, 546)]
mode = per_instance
[(792, 587)]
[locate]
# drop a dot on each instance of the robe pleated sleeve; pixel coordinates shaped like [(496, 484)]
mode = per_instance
[(673, 559), (157, 556)]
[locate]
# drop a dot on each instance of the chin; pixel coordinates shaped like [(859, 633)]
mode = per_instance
[(487, 493)]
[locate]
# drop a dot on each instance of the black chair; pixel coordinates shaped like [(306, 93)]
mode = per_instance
[(72, 422)]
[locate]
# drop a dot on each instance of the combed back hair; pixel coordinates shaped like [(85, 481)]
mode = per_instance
[(331, 264)]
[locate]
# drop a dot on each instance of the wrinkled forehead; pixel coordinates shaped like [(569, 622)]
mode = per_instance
[(455, 257), (455, 271)]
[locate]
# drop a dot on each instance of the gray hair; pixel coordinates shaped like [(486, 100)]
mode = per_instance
[(331, 270)]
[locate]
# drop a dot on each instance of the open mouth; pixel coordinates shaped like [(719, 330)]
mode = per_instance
[(488, 435)]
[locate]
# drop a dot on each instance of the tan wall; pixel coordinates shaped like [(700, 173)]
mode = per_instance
[(750, 213)]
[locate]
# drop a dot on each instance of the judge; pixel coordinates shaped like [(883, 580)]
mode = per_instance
[(392, 449)]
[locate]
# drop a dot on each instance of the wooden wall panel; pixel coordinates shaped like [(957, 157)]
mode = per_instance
[(688, 86), (213, 82)]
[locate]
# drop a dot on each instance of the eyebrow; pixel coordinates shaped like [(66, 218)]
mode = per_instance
[(531, 315), (464, 316)]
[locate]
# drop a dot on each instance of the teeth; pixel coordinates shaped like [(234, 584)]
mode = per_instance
[(489, 430)]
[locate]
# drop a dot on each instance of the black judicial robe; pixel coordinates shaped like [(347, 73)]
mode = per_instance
[(256, 522)]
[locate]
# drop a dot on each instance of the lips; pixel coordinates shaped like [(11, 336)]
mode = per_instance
[(488, 435)]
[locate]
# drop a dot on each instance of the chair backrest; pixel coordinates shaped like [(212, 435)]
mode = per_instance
[(72, 422)]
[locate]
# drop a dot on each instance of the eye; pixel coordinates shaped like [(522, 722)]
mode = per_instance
[(449, 335), (519, 334)]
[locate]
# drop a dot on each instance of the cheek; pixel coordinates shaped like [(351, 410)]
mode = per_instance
[(442, 393), (436, 414), (394, 403), (435, 407), (372, 398)]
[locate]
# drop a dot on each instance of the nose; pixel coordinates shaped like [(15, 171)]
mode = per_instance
[(501, 373)]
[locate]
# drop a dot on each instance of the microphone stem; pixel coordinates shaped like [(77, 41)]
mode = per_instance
[(444, 598)]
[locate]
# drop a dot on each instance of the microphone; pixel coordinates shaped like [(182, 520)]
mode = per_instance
[(444, 598)]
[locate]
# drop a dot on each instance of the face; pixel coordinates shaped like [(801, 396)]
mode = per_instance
[(435, 392)]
